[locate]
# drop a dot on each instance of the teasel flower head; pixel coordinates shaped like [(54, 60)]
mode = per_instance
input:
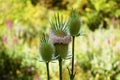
[(74, 23), (59, 36), (46, 49)]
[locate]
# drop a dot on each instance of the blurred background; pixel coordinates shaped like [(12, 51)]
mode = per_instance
[(97, 53)]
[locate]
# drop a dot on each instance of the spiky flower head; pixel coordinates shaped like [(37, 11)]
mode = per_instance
[(59, 36), (46, 49), (74, 23), (59, 27)]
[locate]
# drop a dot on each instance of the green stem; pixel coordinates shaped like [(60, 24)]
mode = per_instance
[(60, 68), (72, 74), (48, 74)]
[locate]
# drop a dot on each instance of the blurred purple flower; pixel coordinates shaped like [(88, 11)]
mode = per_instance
[(4, 39), (15, 40), (4, 76), (37, 78), (9, 23), (56, 39), (29, 70), (108, 41), (114, 19)]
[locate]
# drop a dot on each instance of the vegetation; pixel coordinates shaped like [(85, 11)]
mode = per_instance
[(97, 52)]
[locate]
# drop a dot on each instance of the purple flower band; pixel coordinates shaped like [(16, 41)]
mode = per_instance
[(56, 39)]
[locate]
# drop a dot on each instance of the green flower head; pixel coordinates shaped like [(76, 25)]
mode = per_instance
[(74, 23), (46, 49)]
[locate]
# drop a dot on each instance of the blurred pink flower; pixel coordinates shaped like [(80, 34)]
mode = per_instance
[(9, 23), (4, 76), (56, 39), (113, 19), (4, 39), (108, 41), (15, 40), (29, 70), (37, 78)]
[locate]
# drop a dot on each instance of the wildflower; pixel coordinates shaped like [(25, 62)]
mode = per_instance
[(15, 40), (5, 76), (37, 78), (46, 49), (59, 36), (74, 29), (29, 70), (4, 39), (108, 41), (9, 23), (74, 23)]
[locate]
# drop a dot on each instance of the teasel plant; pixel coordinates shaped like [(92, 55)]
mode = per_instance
[(74, 30), (60, 37), (47, 51)]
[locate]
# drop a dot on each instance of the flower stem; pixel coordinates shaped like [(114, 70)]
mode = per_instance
[(48, 74), (72, 74), (60, 68)]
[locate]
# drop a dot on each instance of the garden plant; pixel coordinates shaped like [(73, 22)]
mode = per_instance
[(42, 39), (58, 39)]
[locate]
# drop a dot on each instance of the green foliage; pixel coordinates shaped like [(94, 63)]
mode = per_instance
[(11, 66), (98, 12), (99, 58), (52, 4), (94, 21)]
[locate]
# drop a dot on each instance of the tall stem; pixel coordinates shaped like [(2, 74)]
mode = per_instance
[(60, 68), (72, 74), (48, 74)]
